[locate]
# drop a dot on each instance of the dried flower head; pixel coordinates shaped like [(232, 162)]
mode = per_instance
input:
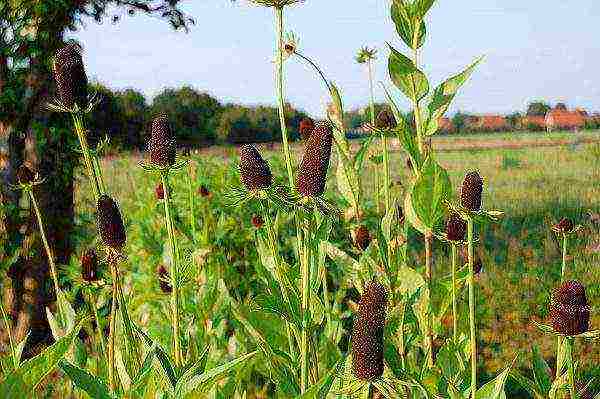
[(164, 279), (89, 266), (312, 173), (110, 223), (162, 145), (70, 76), (569, 309), (385, 120), (456, 227), (471, 190), (306, 127), (25, 175), (565, 226), (254, 170), (367, 333), (258, 221), (203, 191), (276, 3), (366, 54), (362, 237), (159, 191)]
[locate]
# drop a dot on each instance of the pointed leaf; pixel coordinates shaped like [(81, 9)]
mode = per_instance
[(85, 381), (495, 388), (405, 75), (429, 193)]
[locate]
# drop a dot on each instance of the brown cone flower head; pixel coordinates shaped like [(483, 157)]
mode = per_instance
[(162, 145), (254, 170), (70, 76), (456, 228), (362, 237), (25, 175), (258, 221), (164, 279), (367, 333), (312, 174), (306, 127), (89, 266), (110, 223), (564, 226), (569, 309), (471, 190), (385, 120)]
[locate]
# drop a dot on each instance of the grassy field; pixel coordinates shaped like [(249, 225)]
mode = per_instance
[(534, 185)]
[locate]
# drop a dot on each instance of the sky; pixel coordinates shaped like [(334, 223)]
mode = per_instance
[(534, 49)]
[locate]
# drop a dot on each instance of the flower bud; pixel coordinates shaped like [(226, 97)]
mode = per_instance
[(25, 175), (254, 170), (110, 223), (257, 221), (312, 173), (362, 237), (385, 120), (367, 333), (306, 127), (456, 228), (569, 309), (565, 226), (89, 266), (162, 146), (164, 279), (70, 76), (471, 190)]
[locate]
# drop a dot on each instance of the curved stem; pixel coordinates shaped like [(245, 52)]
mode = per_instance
[(454, 305), (280, 96), (316, 67), (174, 269), (472, 310), (428, 279)]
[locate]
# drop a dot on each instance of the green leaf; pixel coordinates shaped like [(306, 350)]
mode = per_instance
[(541, 371), (360, 156), (347, 180), (205, 380), (166, 367), (429, 193), (33, 371), (406, 76), (406, 23), (321, 389), (443, 95), (85, 381), (495, 388), (526, 383)]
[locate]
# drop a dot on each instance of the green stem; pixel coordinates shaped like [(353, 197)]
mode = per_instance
[(416, 107), (572, 387), (280, 96), (192, 206), (372, 92), (174, 269), (454, 306), (562, 280), (94, 306), (87, 157), (112, 325), (9, 332), (428, 279), (401, 328), (472, 309), (386, 173), (304, 350), (49, 253)]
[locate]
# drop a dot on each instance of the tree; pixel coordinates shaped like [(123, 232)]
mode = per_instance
[(193, 114), (514, 120), (30, 33), (459, 120), (537, 108)]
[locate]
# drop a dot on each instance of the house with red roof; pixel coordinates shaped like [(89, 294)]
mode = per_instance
[(563, 119)]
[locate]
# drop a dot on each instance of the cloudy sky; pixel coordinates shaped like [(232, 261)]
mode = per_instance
[(535, 49)]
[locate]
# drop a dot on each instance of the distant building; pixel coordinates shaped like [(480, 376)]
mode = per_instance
[(445, 125), (563, 119), (489, 123), (533, 122)]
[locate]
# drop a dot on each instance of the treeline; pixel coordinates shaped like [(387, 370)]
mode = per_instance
[(198, 119)]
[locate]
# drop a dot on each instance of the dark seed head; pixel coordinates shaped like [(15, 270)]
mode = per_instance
[(89, 266), (312, 174), (258, 221), (399, 214), (569, 309), (203, 191), (477, 266), (306, 127), (254, 170), (164, 279), (362, 237), (367, 333), (71, 80), (25, 175), (162, 145), (110, 223), (159, 191), (456, 228), (471, 190), (385, 120), (564, 226)]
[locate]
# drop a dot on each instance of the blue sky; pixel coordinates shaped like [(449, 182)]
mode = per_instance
[(535, 49)]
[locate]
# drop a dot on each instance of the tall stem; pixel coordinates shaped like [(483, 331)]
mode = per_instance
[(87, 157), (372, 92), (305, 271), (563, 273), (93, 305), (280, 96), (386, 174), (174, 269), (112, 324), (416, 107), (454, 306), (49, 253), (191, 200), (9, 333), (571, 365), (472, 309), (428, 278)]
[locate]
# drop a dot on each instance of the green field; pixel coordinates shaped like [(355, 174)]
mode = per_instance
[(534, 186)]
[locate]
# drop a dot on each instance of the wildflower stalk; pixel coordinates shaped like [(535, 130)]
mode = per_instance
[(305, 278), (428, 278), (471, 281), (9, 333), (454, 305), (192, 206), (87, 157), (174, 269), (280, 98), (112, 324), (571, 366), (564, 258), (415, 100), (93, 305)]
